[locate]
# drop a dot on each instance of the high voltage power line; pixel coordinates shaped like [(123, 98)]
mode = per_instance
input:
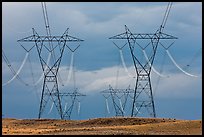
[(50, 66)]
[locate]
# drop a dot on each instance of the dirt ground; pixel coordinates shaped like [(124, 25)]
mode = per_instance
[(102, 126)]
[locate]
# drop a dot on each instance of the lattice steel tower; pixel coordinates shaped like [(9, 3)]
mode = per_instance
[(46, 46), (116, 94), (50, 84), (143, 97)]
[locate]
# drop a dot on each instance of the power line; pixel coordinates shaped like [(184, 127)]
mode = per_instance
[(47, 27), (174, 62), (16, 74), (166, 15), (159, 77), (33, 79), (194, 57), (51, 70), (143, 96)]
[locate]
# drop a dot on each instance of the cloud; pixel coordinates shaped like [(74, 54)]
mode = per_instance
[(95, 20), (130, 16), (98, 80), (22, 16), (150, 17), (178, 85)]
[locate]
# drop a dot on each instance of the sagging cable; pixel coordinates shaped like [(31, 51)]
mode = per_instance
[(121, 105), (168, 53), (123, 63), (137, 110), (41, 77), (65, 107), (107, 106), (152, 65), (51, 108), (70, 68), (79, 105), (136, 107), (19, 70)]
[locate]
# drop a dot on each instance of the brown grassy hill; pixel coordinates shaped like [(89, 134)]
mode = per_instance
[(103, 126)]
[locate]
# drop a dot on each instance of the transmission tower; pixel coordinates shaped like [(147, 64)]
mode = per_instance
[(117, 94), (50, 84), (143, 97), (46, 45), (74, 95)]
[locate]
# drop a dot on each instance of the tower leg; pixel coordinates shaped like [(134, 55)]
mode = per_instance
[(143, 97), (50, 91)]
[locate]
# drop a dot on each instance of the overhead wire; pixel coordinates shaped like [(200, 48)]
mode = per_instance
[(70, 68), (51, 108), (132, 98), (47, 27), (33, 79), (106, 103), (65, 108), (160, 30), (107, 106), (117, 75), (16, 74), (73, 97), (79, 107), (79, 104), (168, 53), (121, 106), (124, 65), (161, 75), (42, 75), (194, 57), (174, 62), (125, 95), (166, 15), (74, 77), (168, 8)]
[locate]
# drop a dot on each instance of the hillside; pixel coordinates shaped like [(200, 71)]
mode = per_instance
[(102, 126)]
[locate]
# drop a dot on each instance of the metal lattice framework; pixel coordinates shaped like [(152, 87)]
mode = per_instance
[(116, 94), (143, 95), (143, 82), (74, 95), (50, 85)]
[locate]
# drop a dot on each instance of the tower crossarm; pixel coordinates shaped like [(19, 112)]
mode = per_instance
[(135, 36), (50, 69), (71, 94), (35, 38), (108, 91), (116, 96)]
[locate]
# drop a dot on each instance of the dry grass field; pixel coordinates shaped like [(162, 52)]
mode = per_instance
[(102, 126)]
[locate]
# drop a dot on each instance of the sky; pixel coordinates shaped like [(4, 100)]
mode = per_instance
[(97, 62)]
